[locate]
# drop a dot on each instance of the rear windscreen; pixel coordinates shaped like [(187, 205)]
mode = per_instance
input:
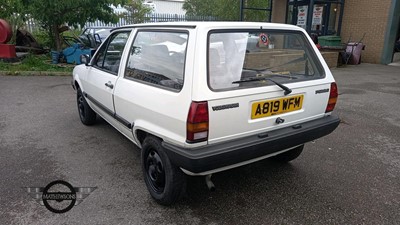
[(247, 59)]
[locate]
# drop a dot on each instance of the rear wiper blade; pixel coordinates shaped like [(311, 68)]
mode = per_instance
[(251, 79), (265, 72), (256, 70)]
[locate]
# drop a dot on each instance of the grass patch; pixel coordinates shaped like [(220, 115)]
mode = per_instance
[(35, 63)]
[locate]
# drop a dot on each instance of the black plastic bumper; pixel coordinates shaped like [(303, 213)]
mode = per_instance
[(216, 156)]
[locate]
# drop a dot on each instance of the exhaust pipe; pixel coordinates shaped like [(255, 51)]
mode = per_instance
[(209, 183)]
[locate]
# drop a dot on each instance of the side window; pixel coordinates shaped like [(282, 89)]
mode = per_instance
[(158, 58), (109, 55)]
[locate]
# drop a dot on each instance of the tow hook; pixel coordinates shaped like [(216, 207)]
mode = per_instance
[(279, 120), (209, 183)]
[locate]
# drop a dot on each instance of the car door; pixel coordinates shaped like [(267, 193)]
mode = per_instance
[(103, 74)]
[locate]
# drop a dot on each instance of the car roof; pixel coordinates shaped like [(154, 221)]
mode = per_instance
[(99, 27), (215, 25)]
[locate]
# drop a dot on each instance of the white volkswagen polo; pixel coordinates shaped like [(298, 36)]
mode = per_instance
[(201, 97)]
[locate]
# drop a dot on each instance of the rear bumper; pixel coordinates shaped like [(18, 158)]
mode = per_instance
[(212, 157)]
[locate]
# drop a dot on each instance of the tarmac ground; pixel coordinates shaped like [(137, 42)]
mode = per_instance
[(351, 176)]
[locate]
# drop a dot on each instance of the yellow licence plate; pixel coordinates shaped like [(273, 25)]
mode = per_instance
[(277, 106)]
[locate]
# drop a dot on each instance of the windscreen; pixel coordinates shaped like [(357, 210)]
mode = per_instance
[(247, 59)]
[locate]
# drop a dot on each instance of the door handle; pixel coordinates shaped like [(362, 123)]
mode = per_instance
[(109, 84)]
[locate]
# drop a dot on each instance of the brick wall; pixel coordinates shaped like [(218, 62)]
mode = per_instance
[(370, 17), (278, 11), (359, 17)]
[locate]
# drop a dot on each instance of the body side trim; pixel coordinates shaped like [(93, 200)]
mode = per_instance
[(109, 112)]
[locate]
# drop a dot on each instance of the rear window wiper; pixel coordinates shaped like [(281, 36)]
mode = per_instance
[(251, 79), (265, 71)]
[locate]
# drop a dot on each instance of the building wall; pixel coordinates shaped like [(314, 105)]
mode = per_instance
[(359, 16), (168, 6), (369, 17), (278, 11)]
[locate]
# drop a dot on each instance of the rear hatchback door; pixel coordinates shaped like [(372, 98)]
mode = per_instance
[(262, 80)]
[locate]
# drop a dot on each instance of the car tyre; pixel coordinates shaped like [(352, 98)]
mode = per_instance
[(289, 155), (165, 181), (86, 114)]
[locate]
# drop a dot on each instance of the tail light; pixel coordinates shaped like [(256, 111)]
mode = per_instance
[(333, 95), (197, 122)]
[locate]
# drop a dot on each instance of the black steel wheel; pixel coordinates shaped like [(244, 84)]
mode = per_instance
[(165, 182), (289, 155), (155, 171), (86, 114)]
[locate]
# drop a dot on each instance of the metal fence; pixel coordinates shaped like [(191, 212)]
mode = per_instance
[(170, 17), (31, 25), (126, 19)]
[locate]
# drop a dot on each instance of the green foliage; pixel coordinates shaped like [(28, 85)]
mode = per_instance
[(43, 38), (33, 63), (137, 11), (53, 14), (220, 9), (227, 9), (73, 32), (257, 15), (9, 8)]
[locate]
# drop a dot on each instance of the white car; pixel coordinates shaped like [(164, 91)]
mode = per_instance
[(201, 97)]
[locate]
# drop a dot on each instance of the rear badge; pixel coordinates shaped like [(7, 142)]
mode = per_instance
[(222, 107), (322, 91)]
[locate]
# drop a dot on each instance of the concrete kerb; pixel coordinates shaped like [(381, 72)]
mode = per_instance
[(34, 73)]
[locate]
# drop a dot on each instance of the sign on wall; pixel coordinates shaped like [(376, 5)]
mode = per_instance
[(302, 16), (317, 15)]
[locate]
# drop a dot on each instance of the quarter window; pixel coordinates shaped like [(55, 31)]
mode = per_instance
[(158, 58)]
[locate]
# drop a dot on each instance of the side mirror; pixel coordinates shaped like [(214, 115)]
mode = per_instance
[(85, 59)]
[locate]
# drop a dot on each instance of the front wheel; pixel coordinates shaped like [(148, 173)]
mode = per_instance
[(289, 155), (86, 114), (165, 182)]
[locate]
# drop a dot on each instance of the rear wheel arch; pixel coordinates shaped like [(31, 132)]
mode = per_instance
[(141, 135)]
